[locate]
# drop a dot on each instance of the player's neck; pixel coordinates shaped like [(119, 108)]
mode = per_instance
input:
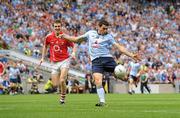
[(99, 33), (57, 34)]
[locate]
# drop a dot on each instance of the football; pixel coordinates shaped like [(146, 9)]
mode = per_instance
[(120, 72)]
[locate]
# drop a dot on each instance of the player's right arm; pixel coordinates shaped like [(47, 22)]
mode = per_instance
[(44, 50), (74, 39)]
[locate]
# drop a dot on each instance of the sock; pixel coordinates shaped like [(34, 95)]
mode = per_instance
[(63, 96), (100, 92), (130, 88)]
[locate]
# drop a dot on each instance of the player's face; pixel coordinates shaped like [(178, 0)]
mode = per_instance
[(103, 29), (57, 27)]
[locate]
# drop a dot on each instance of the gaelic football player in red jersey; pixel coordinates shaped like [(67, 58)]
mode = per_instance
[(59, 58)]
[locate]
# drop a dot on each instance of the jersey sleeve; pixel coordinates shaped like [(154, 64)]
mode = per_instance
[(112, 40), (70, 44), (47, 40), (85, 36)]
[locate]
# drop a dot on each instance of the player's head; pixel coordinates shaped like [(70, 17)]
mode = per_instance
[(57, 25), (103, 27)]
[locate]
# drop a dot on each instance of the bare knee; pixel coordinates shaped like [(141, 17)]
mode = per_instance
[(98, 83), (98, 79), (62, 80)]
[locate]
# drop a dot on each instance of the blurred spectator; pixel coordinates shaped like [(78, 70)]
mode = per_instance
[(49, 87), (69, 84), (34, 88), (77, 88), (88, 83), (144, 78)]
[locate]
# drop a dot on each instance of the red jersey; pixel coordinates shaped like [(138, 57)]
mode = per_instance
[(1, 68), (58, 47)]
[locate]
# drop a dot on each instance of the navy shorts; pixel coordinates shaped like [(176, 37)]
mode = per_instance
[(103, 64), (133, 77)]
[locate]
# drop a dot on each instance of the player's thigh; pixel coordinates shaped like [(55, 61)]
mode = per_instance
[(97, 66), (64, 73), (109, 64), (131, 79), (98, 78), (64, 67), (55, 79)]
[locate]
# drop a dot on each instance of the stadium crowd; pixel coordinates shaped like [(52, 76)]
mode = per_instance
[(15, 72), (151, 29)]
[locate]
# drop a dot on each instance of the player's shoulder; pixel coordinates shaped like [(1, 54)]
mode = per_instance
[(92, 32), (110, 36), (49, 35)]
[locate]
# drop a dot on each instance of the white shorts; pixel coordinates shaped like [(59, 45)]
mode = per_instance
[(57, 66)]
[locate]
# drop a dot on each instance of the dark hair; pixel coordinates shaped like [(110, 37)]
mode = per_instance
[(103, 22), (147, 65)]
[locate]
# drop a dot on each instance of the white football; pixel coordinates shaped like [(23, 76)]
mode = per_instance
[(120, 72)]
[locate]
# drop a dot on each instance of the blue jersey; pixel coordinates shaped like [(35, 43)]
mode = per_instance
[(98, 45), (135, 67)]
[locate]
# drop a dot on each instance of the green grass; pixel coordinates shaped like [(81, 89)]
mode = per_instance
[(82, 106)]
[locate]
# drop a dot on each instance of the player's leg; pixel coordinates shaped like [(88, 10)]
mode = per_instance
[(100, 90), (97, 68), (131, 84), (63, 76), (142, 88), (147, 88), (64, 67), (55, 78)]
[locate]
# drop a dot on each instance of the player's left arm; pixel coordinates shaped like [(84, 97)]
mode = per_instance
[(73, 38), (126, 52), (74, 49)]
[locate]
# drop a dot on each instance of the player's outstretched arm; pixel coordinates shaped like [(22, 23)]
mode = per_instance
[(72, 38), (126, 52), (43, 54), (74, 51)]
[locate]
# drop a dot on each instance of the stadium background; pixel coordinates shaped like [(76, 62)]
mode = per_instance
[(151, 26)]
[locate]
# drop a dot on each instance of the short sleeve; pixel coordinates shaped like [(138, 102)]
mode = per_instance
[(70, 44), (85, 36), (46, 42), (112, 40)]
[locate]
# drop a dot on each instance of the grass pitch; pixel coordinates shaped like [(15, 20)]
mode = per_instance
[(82, 106)]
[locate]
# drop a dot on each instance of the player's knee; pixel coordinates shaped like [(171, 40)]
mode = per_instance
[(130, 80), (62, 80), (98, 84)]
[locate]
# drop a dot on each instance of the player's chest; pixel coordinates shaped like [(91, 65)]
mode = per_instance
[(98, 39), (57, 41)]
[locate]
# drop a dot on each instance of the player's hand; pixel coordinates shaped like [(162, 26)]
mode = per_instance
[(73, 55), (136, 57), (41, 61)]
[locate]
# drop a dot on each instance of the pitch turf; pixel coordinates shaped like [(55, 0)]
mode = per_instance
[(82, 106)]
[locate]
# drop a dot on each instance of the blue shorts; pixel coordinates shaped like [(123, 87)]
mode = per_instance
[(103, 64), (133, 77)]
